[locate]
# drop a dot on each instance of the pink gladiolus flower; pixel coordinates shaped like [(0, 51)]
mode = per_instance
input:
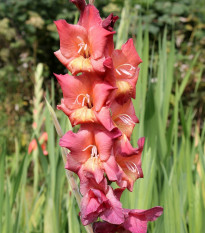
[(124, 117), (91, 153), (100, 100), (104, 205), (129, 161), (83, 98), (126, 63), (135, 221), (80, 51)]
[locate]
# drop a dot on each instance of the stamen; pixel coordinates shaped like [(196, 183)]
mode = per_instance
[(85, 47), (132, 167), (83, 102), (121, 69), (126, 72), (87, 147), (86, 97), (126, 119), (94, 151), (118, 72), (129, 65), (80, 49)]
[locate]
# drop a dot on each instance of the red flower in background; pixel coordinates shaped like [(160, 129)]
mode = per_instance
[(43, 142)]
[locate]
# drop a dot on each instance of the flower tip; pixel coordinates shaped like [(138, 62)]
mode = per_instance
[(140, 143), (80, 4)]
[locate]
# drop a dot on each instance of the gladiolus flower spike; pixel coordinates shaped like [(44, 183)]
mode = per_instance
[(100, 101)]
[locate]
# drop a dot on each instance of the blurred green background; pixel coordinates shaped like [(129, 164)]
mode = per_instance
[(170, 103)]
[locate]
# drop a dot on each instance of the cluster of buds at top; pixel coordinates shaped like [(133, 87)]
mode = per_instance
[(98, 96)]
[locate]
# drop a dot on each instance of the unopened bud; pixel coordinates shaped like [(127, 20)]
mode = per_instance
[(80, 4)]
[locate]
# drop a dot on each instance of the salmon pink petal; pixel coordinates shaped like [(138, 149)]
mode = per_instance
[(126, 88), (65, 61), (90, 17), (126, 60), (74, 162), (131, 166), (114, 214), (104, 205), (63, 108), (76, 142), (147, 215), (97, 64), (109, 75), (124, 117), (136, 220), (88, 182), (93, 167), (112, 170), (98, 46), (70, 38), (75, 90), (104, 143), (101, 94), (104, 117), (123, 146), (92, 205), (129, 51), (134, 225)]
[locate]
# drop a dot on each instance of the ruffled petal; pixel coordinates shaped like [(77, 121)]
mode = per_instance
[(112, 170), (92, 206), (88, 182), (147, 215), (77, 142), (114, 214), (126, 60), (131, 166), (93, 167), (98, 46), (104, 117), (126, 88), (104, 143), (76, 89), (97, 64), (70, 38), (101, 94), (90, 17), (136, 220), (129, 51), (124, 117), (65, 61)]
